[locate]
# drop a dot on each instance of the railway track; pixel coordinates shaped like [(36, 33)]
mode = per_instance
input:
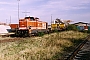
[(10, 40), (75, 52), (14, 38)]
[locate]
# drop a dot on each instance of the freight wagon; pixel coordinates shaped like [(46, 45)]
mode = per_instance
[(5, 30), (14, 27)]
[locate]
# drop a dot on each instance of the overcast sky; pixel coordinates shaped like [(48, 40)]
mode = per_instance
[(76, 10)]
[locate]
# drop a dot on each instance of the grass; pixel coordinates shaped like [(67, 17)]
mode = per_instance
[(48, 47)]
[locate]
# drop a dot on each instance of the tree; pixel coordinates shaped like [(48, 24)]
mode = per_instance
[(67, 22)]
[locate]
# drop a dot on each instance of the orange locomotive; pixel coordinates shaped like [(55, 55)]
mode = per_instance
[(30, 25)]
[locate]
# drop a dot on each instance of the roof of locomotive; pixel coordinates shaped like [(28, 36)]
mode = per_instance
[(31, 18)]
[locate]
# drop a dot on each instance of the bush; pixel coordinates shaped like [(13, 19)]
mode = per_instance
[(72, 27), (85, 31), (88, 31), (40, 33)]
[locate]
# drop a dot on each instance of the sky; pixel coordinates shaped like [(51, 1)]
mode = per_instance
[(75, 10)]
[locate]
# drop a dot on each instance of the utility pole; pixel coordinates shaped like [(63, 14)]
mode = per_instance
[(10, 20), (18, 9), (25, 13), (6, 21), (51, 18)]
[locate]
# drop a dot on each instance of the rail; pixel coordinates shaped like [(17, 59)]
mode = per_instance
[(77, 49)]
